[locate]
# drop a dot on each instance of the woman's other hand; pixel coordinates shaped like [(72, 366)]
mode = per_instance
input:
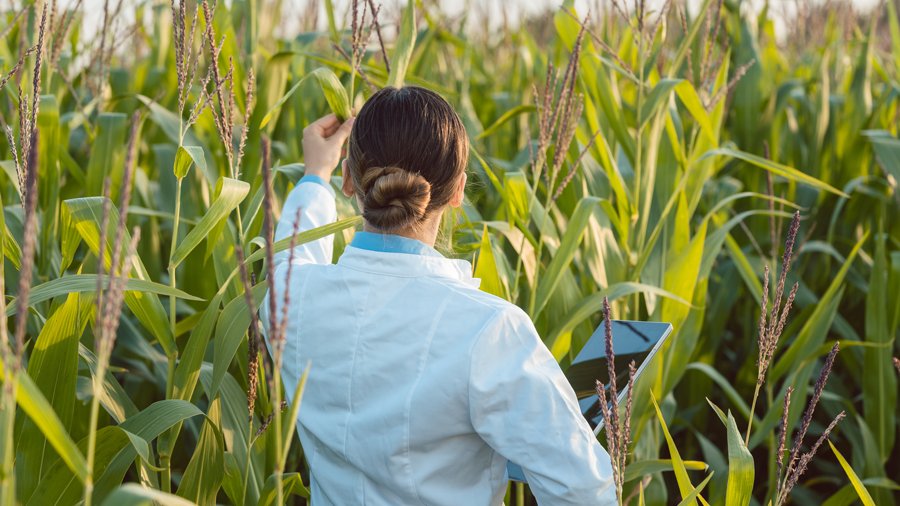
[(322, 143)]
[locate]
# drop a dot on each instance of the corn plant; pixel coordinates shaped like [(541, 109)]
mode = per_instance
[(651, 158)]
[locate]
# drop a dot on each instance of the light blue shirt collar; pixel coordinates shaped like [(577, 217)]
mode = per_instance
[(390, 243)]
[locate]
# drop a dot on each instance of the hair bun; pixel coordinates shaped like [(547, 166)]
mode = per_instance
[(394, 198)]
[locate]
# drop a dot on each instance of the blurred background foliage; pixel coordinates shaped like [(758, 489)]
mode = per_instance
[(652, 154)]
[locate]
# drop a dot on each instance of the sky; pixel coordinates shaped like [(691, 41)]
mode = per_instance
[(515, 8)]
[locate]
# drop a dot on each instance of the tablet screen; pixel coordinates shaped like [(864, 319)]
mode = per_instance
[(632, 340)]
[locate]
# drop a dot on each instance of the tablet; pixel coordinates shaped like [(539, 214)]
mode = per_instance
[(638, 341)]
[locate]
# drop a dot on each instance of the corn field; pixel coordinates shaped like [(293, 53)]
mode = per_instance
[(684, 164)]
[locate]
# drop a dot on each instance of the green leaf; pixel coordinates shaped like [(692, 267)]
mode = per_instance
[(231, 193), (203, 475), (813, 332), (505, 118), (332, 26), (188, 369), (85, 214), (169, 122), (486, 267), (107, 154), (593, 303), (334, 92), (293, 171), (854, 479), (114, 453), (727, 387), (239, 439), (53, 366), (292, 483), (688, 96), (681, 476), (687, 40), (307, 236), (331, 86), (657, 98), (879, 383), (562, 258), (159, 416), (695, 493), (132, 494), (641, 468), (185, 157), (230, 330), (113, 397), (295, 400), (10, 247), (88, 283), (403, 50), (740, 467), (775, 168), (36, 406)]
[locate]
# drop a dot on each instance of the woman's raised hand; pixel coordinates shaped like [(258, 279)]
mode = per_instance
[(322, 143)]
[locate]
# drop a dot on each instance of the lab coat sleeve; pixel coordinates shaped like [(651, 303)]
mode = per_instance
[(314, 198), (521, 404)]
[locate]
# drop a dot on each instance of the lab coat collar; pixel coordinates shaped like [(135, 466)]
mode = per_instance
[(394, 256), (390, 243)]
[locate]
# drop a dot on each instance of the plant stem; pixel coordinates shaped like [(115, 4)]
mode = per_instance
[(773, 446), (166, 449), (102, 359), (752, 410), (8, 412), (279, 461), (250, 441), (8, 375)]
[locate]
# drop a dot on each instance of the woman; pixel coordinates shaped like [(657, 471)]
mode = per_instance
[(421, 387)]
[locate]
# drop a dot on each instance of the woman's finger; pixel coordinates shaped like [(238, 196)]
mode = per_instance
[(323, 124), (342, 132), (330, 130)]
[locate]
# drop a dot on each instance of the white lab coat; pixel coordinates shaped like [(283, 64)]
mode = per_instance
[(421, 386)]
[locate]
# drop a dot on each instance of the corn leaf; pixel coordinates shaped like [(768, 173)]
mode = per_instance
[(35, 405), (740, 467), (306, 236), (879, 383), (113, 397), (187, 156), (295, 401), (504, 119), (334, 92), (230, 330), (776, 169), (231, 193), (642, 468), (486, 268), (403, 49), (562, 258), (203, 475), (813, 332), (85, 214), (73, 283), (107, 153), (292, 483), (684, 481), (188, 369), (854, 479), (694, 495), (593, 303), (53, 366), (132, 494)]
